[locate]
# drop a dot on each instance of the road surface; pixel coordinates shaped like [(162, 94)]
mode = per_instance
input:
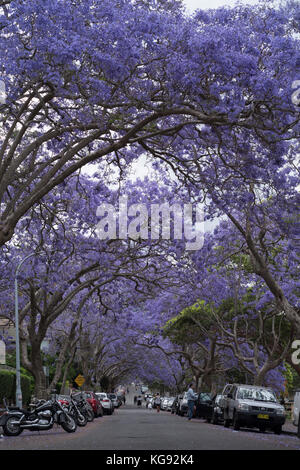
[(132, 428)]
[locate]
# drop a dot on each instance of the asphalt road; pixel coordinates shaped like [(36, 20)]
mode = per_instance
[(132, 428)]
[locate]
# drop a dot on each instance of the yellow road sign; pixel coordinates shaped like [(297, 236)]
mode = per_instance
[(79, 380)]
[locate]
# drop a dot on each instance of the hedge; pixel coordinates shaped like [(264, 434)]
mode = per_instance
[(8, 386)]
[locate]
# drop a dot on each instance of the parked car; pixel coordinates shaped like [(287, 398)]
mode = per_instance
[(217, 412), (183, 405), (296, 412), (252, 406), (106, 403), (170, 403), (164, 403), (95, 403), (175, 405), (203, 406), (121, 398), (151, 403), (113, 397)]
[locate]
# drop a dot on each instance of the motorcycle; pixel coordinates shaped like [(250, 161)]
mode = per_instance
[(73, 408), (84, 407), (44, 415)]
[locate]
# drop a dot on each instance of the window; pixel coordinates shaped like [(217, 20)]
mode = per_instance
[(260, 394)]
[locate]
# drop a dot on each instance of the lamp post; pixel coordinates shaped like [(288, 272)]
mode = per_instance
[(18, 374)]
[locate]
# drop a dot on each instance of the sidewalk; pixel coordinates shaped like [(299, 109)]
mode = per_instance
[(289, 427)]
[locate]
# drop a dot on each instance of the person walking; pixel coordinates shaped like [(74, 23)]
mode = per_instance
[(191, 398), (157, 402)]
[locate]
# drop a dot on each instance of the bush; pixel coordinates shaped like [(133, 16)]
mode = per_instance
[(8, 386), (7, 378)]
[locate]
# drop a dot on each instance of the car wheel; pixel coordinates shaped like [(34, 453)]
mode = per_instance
[(236, 424), (278, 429), (298, 429)]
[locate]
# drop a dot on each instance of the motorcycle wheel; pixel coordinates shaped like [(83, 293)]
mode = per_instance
[(69, 425), (90, 416), (81, 420), (10, 429)]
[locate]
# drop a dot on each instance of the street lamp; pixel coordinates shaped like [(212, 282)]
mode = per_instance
[(18, 374)]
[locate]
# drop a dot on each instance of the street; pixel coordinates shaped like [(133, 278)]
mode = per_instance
[(132, 428)]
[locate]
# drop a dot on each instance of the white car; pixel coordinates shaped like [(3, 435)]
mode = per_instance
[(106, 403), (296, 412), (164, 403), (170, 403)]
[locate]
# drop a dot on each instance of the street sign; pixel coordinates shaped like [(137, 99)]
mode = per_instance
[(79, 380)]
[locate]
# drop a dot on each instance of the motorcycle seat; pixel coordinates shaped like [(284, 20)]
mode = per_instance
[(15, 408)]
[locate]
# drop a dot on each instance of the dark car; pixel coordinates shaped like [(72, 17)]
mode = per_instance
[(204, 406), (95, 403)]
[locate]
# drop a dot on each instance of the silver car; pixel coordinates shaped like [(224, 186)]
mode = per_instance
[(113, 397), (164, 403), (183, 405), (252, 406), (170, 403), (106, 402)]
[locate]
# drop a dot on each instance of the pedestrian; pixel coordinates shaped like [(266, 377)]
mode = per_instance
[(191, 397), (147, 402), (157, 402)]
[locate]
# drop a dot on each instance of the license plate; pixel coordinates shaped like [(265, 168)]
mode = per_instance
[(260, 416)]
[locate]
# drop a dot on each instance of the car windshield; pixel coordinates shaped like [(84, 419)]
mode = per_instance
[(258, 394), (204, 397)]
